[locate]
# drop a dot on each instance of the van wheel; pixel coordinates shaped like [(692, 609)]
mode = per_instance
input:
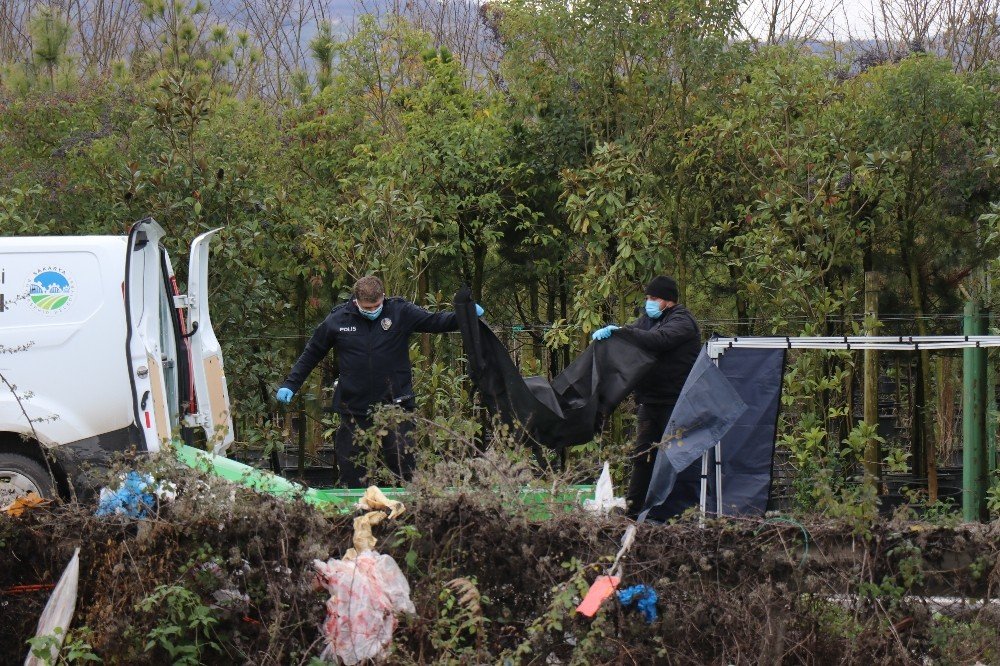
[(20, 475)]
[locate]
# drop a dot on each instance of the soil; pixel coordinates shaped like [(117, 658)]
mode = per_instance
[(736, 591)]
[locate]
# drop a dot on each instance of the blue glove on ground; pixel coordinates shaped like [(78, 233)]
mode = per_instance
[(644, 598), (134, 498), (479, 310), (285, 395), (604, 333)]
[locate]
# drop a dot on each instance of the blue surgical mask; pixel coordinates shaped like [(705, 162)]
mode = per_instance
[(653, 310), (373, 315)]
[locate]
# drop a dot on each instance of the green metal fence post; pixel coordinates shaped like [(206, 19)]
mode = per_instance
[(974, 458), (991, 412)]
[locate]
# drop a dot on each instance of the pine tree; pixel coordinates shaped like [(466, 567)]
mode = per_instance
[(50, 35)]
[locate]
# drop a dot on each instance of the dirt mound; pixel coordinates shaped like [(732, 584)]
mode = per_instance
[(221, 575)]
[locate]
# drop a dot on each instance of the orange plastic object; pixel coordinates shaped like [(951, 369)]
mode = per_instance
[(602, 588)]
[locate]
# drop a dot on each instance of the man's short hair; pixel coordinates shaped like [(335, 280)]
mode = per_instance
[(368, 289)]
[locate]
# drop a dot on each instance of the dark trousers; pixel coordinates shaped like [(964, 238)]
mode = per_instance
[(651, 422), (395, 453)]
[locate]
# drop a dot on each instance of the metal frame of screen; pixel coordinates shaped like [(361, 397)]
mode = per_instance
[(718, 346)]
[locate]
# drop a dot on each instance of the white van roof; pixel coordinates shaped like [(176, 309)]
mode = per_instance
[(68, 242)]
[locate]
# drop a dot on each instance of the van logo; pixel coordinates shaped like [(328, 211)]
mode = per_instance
[(348, 329), (50, 289)]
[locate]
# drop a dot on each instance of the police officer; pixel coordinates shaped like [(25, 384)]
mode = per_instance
[(669, 331), (371, 334)]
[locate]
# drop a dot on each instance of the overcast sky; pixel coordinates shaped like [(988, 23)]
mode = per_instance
[(839, 18), (819, 19)]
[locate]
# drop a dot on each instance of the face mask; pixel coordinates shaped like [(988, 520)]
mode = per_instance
[(371, 315), (653, 310)]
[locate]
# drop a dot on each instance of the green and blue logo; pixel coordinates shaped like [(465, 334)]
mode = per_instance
[(50, 290)]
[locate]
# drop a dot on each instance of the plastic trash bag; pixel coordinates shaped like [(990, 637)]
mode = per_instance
[(375, 500), (567, 411), (58, 612), (365, 595), (136, 496), (604, 495), (363, 537)]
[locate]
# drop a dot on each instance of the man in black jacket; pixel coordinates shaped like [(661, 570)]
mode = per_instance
[(670, 331), (371, 334)]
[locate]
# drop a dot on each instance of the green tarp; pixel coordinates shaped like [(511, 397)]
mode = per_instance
[(344, 499)]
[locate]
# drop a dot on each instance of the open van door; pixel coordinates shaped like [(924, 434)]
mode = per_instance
[(142, 291), (211, 391)]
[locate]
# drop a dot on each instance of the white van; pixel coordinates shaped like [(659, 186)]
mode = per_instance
[(100, 354)]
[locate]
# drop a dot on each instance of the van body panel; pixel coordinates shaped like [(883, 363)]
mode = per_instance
[(207, 369), (97, 350), (159, 397), (143, 290), (52, 302), (80, 459)]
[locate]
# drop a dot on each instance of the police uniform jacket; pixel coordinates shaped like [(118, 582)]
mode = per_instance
[(373, 356)]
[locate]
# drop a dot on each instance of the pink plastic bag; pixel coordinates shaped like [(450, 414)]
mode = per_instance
[(365, 595)]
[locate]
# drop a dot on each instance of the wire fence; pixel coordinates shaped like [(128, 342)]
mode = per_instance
[(889, 324)]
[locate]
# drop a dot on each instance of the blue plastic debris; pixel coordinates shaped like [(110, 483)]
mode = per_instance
[(133, 498), (644, 598)]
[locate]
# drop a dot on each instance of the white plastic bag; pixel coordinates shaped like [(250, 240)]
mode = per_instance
[(365, 595), (58, 612), (604, 494)]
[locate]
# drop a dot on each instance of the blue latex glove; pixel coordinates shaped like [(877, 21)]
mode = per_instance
[(285, 395), (644, 598), (479, 310), (604, 333), (133, 499)]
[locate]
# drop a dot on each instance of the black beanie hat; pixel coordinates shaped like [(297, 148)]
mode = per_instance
[(662, 287)]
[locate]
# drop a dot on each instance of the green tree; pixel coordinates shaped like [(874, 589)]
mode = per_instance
[(50, 35), (921, 128)]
